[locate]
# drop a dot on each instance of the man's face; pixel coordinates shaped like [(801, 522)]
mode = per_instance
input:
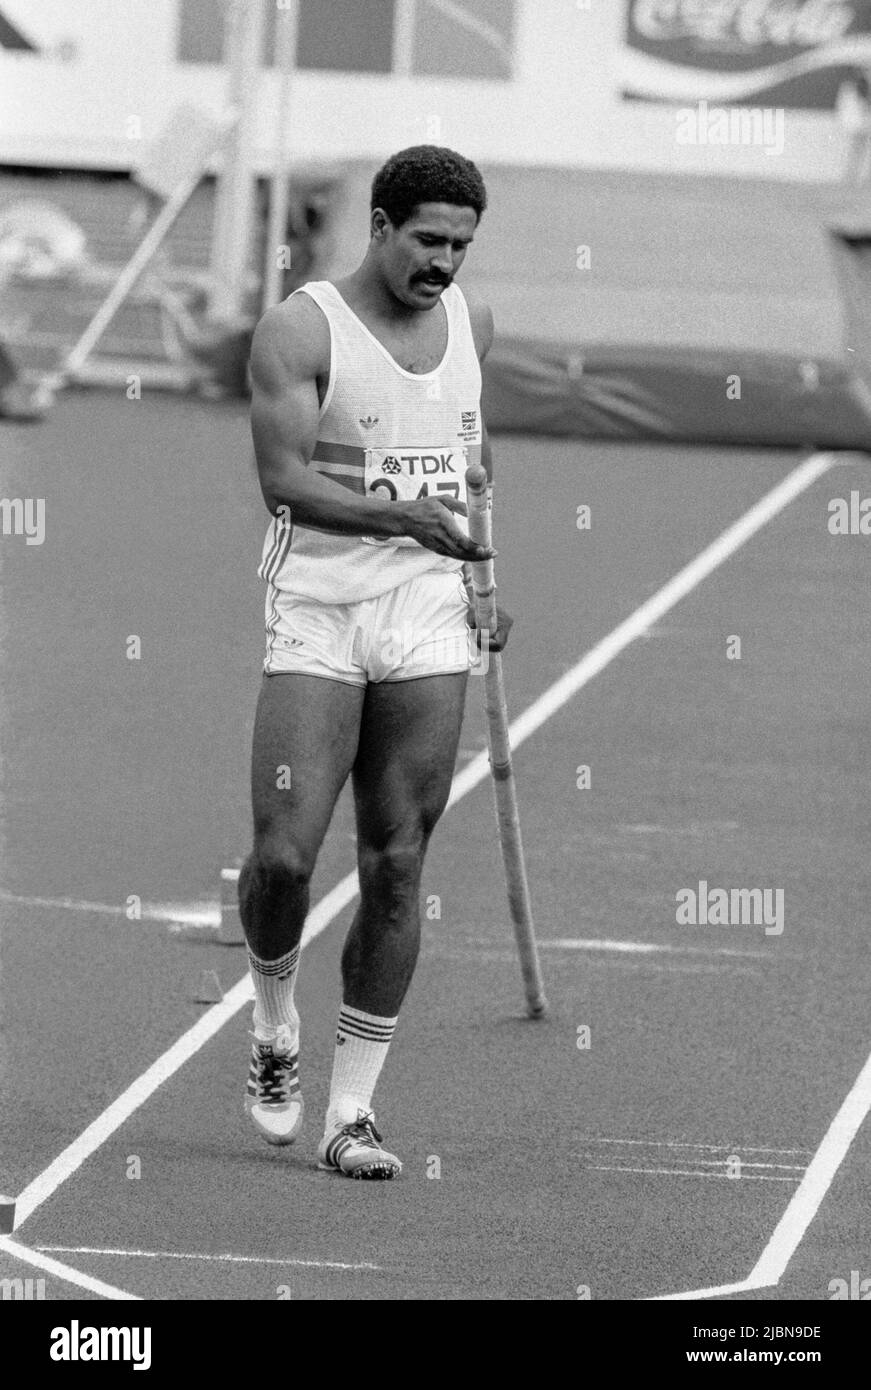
[(420, 258)]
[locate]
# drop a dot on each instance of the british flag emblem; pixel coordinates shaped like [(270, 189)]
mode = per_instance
[(469, 419)]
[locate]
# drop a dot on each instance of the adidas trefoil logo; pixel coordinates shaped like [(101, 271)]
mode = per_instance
[(369, 422)]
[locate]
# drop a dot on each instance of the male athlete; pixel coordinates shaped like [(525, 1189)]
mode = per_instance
[(365, 414)]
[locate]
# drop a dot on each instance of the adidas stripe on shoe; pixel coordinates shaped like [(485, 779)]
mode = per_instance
[(273, 1100), (356, 1151)]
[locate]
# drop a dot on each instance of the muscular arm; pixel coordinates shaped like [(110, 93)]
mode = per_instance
[(287, 355), (291, 348)]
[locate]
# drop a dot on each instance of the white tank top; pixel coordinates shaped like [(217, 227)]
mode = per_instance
[(384, 431)]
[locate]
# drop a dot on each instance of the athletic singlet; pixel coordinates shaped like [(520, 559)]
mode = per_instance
[(387, 432)]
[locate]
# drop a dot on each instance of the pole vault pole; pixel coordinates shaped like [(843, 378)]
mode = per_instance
[(504, 791)]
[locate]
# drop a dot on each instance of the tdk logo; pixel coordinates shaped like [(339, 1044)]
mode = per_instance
[(76, 1343), (369, 422), (419, 463)]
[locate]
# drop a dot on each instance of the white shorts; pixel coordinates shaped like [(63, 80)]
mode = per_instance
[(417, 629)]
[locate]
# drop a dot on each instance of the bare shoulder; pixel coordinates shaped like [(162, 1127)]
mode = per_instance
[(291, 341), (481, 319)]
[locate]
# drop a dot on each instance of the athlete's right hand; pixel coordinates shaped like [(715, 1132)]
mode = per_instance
[(429, 521)]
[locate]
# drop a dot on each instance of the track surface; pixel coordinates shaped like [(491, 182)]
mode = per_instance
[(559, 1167)]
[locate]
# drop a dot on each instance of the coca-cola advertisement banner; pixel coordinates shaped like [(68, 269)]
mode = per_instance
[(748, 52)]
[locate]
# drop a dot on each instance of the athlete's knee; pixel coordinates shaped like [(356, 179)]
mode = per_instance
[(392, 867), (279, 864)]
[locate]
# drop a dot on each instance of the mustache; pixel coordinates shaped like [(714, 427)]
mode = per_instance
[(435, 279)]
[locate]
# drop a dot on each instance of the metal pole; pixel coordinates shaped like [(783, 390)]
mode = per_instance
[(403, 38), (86, 342), (279, 192), (231, 239)]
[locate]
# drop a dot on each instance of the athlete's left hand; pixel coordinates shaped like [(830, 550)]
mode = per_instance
[(504, 624)]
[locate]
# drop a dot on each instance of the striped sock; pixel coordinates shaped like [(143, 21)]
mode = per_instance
[(362, 1041), (274, 982)]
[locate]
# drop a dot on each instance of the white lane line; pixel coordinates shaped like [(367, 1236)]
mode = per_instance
[(711, 1162), (679, 1144), (806, 1200), (646, 948), (684, 1173), (63, 1271), (202, 914), (242, 993), (743, 1286), (633, 627), (57, 1172), (100, 1129), (754, 1163), (194, 1255), (803, 1207)]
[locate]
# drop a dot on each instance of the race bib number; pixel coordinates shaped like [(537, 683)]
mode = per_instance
[(403, 475)]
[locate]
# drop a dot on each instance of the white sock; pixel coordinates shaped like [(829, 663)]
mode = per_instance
[(362, 1041), (274, 982)]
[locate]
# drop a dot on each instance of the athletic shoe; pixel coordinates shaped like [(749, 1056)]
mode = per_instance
[(274, 1101), (356, 1151)]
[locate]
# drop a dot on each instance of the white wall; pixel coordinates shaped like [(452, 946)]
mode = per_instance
[(564, 106)]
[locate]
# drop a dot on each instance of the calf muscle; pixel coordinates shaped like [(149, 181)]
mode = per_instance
[(305, 741)]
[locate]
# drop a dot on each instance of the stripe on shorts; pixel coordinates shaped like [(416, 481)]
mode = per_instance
[(268, 571)]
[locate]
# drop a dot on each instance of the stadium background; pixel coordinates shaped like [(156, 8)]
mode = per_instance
[(633, 341), (372, 75)]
